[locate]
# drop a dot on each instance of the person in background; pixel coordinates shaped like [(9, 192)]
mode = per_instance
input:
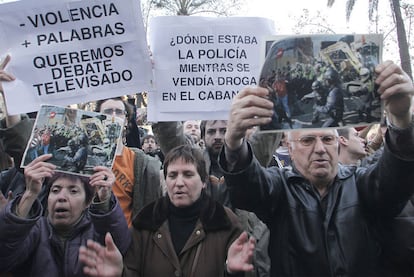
[(137, 175), (321, 214), (15, 131), (150, 147), (192, 128), (395, 235), (352, 148), (132, 136), (193, 233), (78, 209), (281, 158)]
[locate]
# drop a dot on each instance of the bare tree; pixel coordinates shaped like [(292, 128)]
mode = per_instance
[(193, 7), (317, 23), (402, 37)]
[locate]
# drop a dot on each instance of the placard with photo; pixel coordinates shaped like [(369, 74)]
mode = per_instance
[(322, 81), (78, 140)]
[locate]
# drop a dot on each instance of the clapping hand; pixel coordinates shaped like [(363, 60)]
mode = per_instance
[(102, 261), (240, 254)]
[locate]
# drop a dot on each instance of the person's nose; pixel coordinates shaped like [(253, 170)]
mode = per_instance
[(179, 182), (319, 146), (218, 136), (62, 196)]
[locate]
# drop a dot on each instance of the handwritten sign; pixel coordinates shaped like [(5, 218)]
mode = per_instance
[(201, 63), (67, 52)]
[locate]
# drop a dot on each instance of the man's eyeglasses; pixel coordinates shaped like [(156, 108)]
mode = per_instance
[(112, 111), (311, 140)]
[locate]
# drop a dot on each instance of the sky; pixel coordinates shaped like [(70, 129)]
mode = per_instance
[(284, 12)]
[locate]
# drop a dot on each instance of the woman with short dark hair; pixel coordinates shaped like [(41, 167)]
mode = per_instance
[(78, 209), (185, 233)]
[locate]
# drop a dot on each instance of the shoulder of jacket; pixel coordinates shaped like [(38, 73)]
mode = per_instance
[(141, 156), (346, 171)]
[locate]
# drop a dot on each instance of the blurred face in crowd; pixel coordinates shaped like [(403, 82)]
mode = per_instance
[(192, 128), (355, 144), (66, 202), (315, 154), (113, 107), (214, 136), (149, 145), (184, 184)]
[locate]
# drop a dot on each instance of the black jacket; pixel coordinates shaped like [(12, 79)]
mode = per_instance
[(310, 237)]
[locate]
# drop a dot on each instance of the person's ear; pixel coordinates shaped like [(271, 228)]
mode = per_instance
[(343, 140)]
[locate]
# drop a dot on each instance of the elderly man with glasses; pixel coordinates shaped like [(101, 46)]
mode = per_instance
[(322, 216)]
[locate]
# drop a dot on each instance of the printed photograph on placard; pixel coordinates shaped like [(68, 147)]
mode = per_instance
[(322, 81), (78, 140)]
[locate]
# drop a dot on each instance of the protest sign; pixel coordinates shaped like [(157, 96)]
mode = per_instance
[(78, 140), (201, 63), (68, 52), (322, 80)]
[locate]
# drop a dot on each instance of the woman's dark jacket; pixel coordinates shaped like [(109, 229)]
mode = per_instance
[(31, 247), (152, 252)]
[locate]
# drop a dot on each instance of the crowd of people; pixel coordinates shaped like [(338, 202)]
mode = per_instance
[(218, 197)]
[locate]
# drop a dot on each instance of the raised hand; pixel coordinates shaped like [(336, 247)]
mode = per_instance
[(4, 76), (240, 254), (36, 172), (102, 180), (99, 260), (396, 89), (250, 107)]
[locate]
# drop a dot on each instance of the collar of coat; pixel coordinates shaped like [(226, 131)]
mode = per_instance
[(344, 172), (213, 216)]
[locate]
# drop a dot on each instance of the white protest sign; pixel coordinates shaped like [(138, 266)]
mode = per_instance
[(201, 63), (68, 52)]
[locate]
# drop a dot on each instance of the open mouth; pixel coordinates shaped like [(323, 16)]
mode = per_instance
[(61, 211)]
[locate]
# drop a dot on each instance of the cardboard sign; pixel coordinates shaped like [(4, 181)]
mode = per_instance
[(201, 63), (68, 52)]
